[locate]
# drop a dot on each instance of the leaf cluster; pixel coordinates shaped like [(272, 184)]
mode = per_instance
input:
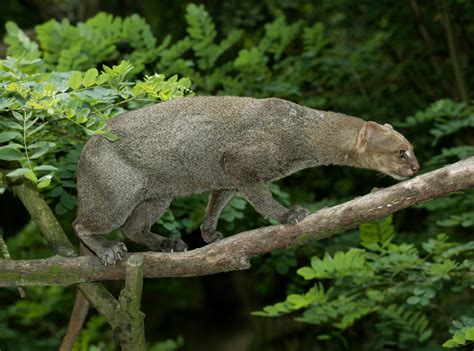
[(101, 39), (395, 284), (450, 124), (463, 333), (310, 63), (45, 115)]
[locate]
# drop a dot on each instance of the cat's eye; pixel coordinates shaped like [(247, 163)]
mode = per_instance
[(402, 154)]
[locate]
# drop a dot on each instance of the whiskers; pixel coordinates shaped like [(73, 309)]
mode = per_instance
[(381, 175)]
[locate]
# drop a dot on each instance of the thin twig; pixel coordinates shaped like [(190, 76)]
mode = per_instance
[(453, 54), (74, 327), (79, 313), (429, 45)]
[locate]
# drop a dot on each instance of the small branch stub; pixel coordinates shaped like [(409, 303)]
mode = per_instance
[(131, 332), (133, 283)]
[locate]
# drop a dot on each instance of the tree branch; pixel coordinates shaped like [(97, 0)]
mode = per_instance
[(49, 227), (132, 330), (235, 252), (44, 219), (81, 305), (429, 45)]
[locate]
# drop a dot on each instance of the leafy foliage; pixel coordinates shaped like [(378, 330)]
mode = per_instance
[(65, 47), (39, 109), (282, 59), (449, 119), (168, 345), (394, 281), (463, 333), (94, 335)]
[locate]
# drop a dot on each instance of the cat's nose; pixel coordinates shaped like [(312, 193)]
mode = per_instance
[(415, 168)]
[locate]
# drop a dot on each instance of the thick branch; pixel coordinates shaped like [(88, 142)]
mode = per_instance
[(44, 219), (235, 252)]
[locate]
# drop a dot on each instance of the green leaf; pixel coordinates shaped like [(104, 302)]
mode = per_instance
[(11, 125), (70, 112), (17, 115), (450, 344), (185, 82), (377, 235), (17, 172), (111, 136), (459, 338), (68, 201), (90, 77), (103, 78), (430, 293), (56, 191), (468, 321), (42, 148), (425, 335), (19, 43), (469, 334), (60, 209), (44, 181), (75, 80), (297, 301), (10, 153), (413, 300), (7, 136), (419, 291), (29, 174), (82, 114), (34, 131), (307, 273)]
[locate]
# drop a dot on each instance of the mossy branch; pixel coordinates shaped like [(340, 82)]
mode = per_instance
[(121, 320), (235, 252), (44, 218), (132, 335)]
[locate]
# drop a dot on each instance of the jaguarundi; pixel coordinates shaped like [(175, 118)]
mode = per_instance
[(221, 144)]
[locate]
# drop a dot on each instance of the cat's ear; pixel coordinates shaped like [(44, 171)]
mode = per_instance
[(370, 131)]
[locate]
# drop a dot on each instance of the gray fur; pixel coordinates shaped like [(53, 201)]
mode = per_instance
[(217, 144)]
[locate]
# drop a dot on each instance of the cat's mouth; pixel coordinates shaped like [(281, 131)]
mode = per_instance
[(402, 174), (398, 177)]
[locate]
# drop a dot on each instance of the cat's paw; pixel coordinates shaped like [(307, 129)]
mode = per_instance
[(209, 236), (173, 245), (110, 252)]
